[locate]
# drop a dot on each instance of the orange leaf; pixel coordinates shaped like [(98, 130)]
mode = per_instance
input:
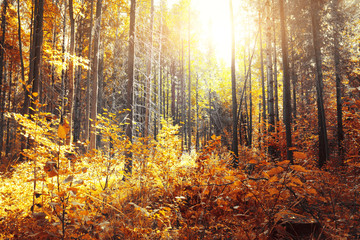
[(62, 131), (285, 162), (311, 191), (296, 180), (273, 191), (299, 155), (274, 171), (298, 168)]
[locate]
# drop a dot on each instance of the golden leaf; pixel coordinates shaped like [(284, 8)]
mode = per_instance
[(311, 191), (300, 155), (296, 180), (285, 162), (298, 168), (274, 171), (61, 131), (35, 94), (272, 191)]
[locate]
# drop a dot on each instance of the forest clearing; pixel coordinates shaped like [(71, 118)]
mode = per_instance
[(180, 119)]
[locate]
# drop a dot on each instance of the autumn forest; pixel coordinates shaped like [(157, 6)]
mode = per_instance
[(180, 119)]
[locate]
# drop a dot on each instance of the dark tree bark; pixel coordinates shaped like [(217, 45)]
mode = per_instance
[(262, 73), (234, 145), (88, 79), (20, 44), (323, 141), (2, 65), (286, 83), (269, 66), (130, 84), (276, 97), (71, 96), (37, 46), (340, 131), (197, 114)]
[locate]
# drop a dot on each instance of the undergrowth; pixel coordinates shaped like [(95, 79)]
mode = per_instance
[(59, 193)]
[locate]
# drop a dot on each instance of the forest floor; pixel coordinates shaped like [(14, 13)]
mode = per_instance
[(176, 195)]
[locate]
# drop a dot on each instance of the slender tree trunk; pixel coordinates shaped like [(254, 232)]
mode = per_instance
[(189, 87), (159, 82), (270, 70), (276, 97), (293, 80), (262, 73), (233, 87), (183, 135), (286, 83), (130, 84), (37, 45), (340, 131), (250, 131), (100, 101), (173, 89), (94, 89), (71, 96), (2, 65), (20, 45), (323, 141), (88, 79), (27, 92), (8, 131), (148, 73), (197, 114)]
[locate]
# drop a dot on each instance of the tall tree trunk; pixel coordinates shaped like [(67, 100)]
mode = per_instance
[(234, 146), (8, 131), (340, 131), (88, 79), (130, 85), (262, 73), (37, 45), (276, 97), (94, 88), (250, 131), (148, 73), (183, 135), (269, 69), (323, 141), (100, 101), (293, 80), (197, 114), (20, 45), (71, 97), (173, 89), (189, 86), (2, 65), (286, 83)]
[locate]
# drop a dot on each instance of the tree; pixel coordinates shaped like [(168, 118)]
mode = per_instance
[(71, 70), (189, 86), (130, 84), (94, 92), (35, 61), (286, 83), (88, 82), (148, 72), (2, 65), (234, 146), (339, 115), (323, 141)]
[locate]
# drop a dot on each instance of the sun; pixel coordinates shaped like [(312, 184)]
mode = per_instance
[(215, 15)]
